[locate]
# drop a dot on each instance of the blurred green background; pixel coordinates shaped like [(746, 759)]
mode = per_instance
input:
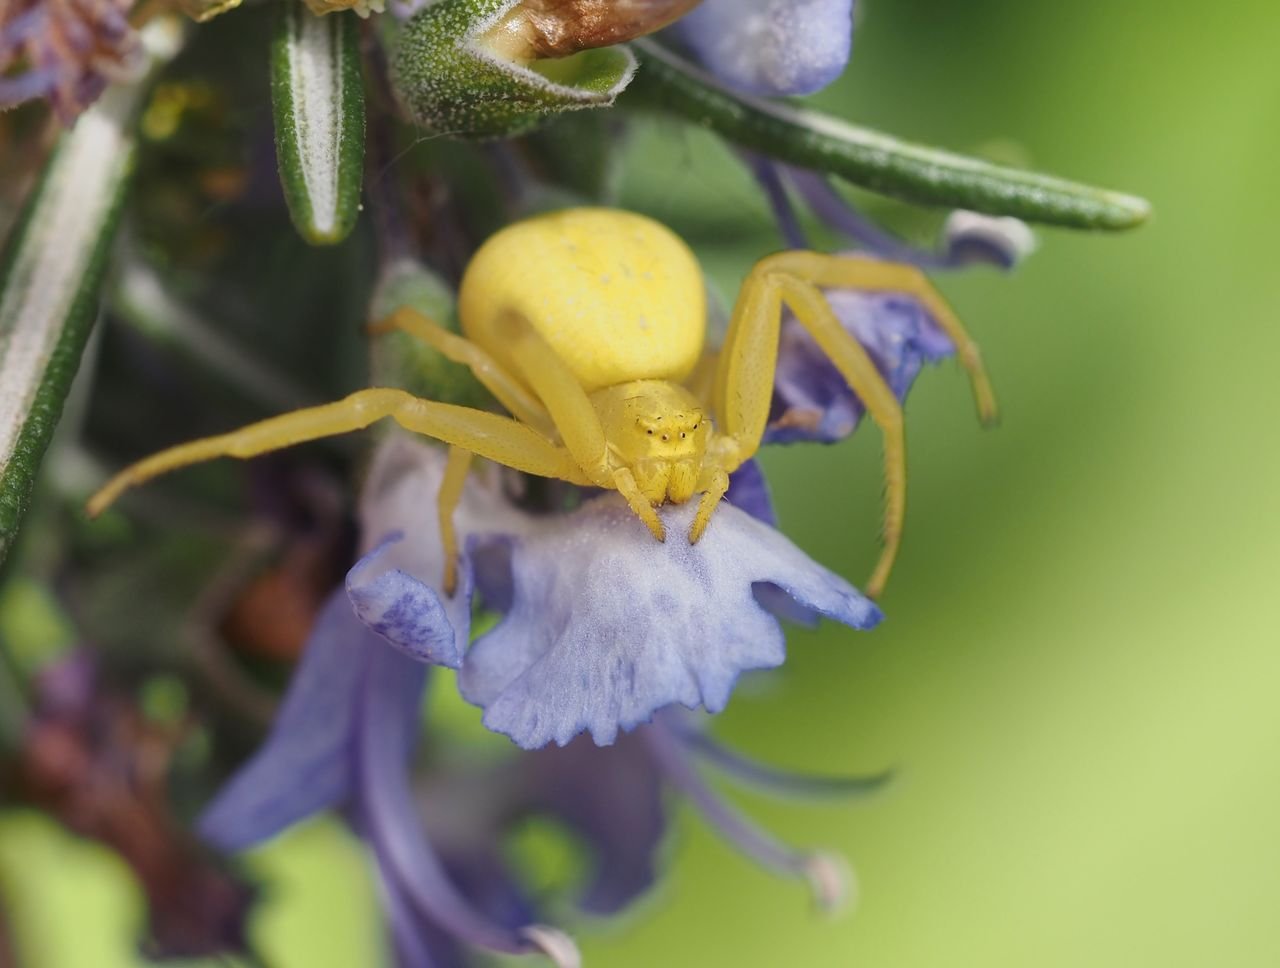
[(1077, 680)]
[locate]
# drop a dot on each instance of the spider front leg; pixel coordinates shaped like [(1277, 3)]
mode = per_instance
[(744, 384), (714, 484), (456, 469), (488, 435), (506, 389), (624, 482), (872, 275)]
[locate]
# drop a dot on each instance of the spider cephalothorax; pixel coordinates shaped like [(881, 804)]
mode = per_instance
[(588, 325)]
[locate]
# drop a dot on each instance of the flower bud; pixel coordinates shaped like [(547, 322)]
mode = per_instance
[(494, 68), (558, 28)]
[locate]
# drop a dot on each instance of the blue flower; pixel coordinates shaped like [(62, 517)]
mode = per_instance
[(601, 625), (770, 47), (345, 737), (812, 401)]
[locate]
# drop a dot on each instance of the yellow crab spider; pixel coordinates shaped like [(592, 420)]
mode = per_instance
[(588, 326)]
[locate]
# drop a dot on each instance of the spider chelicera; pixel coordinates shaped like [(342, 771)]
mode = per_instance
[(588, 325)]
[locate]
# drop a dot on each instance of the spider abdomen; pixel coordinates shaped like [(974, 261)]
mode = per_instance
[(618, 296)]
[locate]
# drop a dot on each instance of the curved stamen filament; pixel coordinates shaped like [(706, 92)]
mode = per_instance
[(404, 855), (775, 780), (826, 874)]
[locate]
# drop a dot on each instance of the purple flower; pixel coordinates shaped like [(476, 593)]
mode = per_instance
[(345, 737), (64, 50), (770, 47), (601, 625), (811, 399)]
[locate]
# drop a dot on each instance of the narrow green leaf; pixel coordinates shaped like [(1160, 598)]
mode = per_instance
[(50, 274), (879, 162), (318, 96)]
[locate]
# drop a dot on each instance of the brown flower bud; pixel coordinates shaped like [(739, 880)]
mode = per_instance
[(556, 28)]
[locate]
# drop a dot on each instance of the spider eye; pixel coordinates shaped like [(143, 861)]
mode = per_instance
[(649, 432), (666, 437), (683, 435)]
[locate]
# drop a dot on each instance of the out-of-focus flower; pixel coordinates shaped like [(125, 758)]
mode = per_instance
[(92, 759), (64, 50), (345, 736), (770, 47), (602, 626)]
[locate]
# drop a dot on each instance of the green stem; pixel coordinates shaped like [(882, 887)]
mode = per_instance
[(879, 162)]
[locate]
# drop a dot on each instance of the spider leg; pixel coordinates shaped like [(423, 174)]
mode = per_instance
[(455, 476), (506, 388), (745, 384), (562, 394), (714, 484), (863, 273), (624, 482), (489, 435)]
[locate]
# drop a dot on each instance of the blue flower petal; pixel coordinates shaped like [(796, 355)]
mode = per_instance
[(771, 46), (812, 401), (387, 809), (607, 625), (749, 491), (395, 588), (407, 613), (306, 763)]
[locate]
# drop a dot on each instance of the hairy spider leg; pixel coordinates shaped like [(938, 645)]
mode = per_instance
[(571, 414), (714, 484), (570, 410), (489, 435), (456, 469), (745, 384), (508, 390), (867, 274)]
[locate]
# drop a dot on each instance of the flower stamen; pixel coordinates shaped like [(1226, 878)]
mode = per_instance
[(825, 873)]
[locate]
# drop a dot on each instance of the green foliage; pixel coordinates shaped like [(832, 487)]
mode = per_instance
[(52, 269), (914, 173), (318, 96)]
